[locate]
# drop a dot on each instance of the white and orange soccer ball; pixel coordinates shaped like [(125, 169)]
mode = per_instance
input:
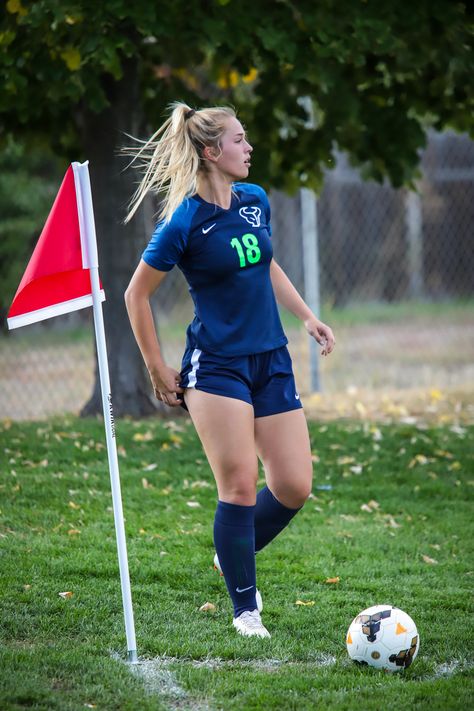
[(384, 637)]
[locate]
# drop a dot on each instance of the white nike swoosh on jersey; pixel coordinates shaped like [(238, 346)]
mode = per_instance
[(239, 590), (297, 396), (206, 230)]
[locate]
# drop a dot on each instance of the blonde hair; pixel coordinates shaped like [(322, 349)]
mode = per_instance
[(172, 157)]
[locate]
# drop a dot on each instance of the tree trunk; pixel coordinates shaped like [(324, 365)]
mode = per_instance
[(119, 245)]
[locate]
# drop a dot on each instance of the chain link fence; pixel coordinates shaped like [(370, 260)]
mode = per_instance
[(396, 283)]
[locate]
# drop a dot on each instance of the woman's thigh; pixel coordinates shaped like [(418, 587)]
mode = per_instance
[(283, 445), (225, 427)]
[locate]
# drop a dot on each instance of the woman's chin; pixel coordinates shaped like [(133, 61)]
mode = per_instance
[(241, 175)]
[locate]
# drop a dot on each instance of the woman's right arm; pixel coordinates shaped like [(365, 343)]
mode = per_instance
[(143, 284)]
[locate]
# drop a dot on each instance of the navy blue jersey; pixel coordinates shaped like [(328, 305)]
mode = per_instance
[(225, 257)]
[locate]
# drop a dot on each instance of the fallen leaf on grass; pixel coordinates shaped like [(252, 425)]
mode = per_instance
[(443, 453), (418, 459), (376, 434), (172, 425), (66, 595), (193, 504), (430, 561), (26, 587), (74, 506), (200, 484), (371, 506), (150, 467), (73, 532), (345, 460), (146, 484), (331, 581), (309, 603), (207, 607), (143, 436)]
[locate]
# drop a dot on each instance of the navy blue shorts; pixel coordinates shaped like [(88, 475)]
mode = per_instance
[(264, 380)]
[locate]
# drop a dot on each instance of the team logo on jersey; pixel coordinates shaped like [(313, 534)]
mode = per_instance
[(251, 214)]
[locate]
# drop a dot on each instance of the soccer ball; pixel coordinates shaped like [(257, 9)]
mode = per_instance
[(384, 637)]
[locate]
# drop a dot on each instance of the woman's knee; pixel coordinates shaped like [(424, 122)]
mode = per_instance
[(294, 493), (238, 487)]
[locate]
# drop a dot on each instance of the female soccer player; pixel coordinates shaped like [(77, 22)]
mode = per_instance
[(236, 378)]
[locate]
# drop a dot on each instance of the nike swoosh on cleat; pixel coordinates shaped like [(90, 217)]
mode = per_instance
[(206, 230), (244, 589)]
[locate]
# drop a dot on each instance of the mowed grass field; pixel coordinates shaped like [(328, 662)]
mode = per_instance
[(390, 521)]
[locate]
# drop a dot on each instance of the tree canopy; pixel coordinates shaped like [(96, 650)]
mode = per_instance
[(376, 73)]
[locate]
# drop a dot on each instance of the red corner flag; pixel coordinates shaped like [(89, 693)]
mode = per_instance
[(63, 276), (56, 280)]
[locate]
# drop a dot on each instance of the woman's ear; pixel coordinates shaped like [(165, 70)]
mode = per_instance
[(210, 153)]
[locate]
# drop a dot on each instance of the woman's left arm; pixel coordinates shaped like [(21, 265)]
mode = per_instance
[(287, 296)]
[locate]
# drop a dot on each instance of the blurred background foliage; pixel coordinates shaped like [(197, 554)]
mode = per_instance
[(377, 74)]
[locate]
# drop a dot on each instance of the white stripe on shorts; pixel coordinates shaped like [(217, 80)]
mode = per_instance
[(192, 379)]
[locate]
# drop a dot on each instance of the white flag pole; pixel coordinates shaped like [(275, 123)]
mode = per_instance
[(91, 262)]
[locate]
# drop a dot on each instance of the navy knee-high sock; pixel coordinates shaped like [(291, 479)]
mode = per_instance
[(271, 517), (234, 539)]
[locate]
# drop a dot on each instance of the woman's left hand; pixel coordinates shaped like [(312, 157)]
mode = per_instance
[(321, 333)]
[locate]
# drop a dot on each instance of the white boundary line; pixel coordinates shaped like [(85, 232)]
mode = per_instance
[(159, 679)]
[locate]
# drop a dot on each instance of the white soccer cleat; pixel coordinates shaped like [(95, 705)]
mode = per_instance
[(258, 597), (249, 624)]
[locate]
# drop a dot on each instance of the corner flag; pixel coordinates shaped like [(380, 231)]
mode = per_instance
[(62, 276), (57, 279)]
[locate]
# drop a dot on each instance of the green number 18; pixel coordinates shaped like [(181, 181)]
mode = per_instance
[(252, 249)]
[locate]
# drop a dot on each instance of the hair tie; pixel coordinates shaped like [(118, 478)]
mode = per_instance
[(188, 114)]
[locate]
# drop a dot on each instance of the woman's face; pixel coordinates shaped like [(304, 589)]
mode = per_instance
[(234, 157)]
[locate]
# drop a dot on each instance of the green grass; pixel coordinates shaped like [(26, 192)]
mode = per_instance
[(66, 653)]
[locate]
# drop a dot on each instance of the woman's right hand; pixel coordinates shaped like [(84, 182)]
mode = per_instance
[(165, 383)]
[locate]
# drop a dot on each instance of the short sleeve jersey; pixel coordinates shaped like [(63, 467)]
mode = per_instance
[(225, 257)]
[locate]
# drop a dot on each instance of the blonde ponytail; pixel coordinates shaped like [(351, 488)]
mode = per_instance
[(172, 157)]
